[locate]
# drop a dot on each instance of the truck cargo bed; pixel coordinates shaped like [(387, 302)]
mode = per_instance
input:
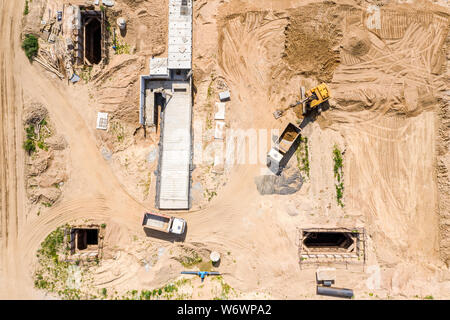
[(156, 221)]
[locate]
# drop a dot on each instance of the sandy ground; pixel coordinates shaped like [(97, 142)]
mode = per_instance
[(387, 90)]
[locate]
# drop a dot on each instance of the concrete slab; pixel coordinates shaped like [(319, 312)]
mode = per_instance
[(220, 114), (176, 151), (180, 35), (158, 67), (326, 274), (102, 120), (219, 132)]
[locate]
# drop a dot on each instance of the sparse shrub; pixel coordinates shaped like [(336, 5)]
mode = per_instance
[(338, 165), (146, 294), (302, 154), (29, 146), (26, 10), (31, 46), (42, 145)]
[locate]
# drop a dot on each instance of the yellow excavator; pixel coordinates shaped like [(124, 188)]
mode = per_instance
[(310, 100)]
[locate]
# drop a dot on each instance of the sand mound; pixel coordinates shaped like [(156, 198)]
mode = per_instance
[(356, 42), (34, 113), (311, 46)]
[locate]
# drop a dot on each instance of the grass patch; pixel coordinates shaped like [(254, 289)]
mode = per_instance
[(31, 46), (33, 139), (210, 90), (26, 10), (191, 260), (209, 194), (121, 47), (29, 146), (338, 175), (146, 184), (118, 130), (169, 291), (86, 73), (226, 289), (52, 273), (302, 154), (55, 273)]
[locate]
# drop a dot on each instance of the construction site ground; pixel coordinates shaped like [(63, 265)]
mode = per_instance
[(389, 115)]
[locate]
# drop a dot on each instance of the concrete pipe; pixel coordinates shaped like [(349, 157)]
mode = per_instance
[(335, 292)]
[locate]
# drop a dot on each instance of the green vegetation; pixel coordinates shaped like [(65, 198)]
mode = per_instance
[(29, 146), (302, 154), (118, 130), (42, 145), (31, 46), (85, 73), (338, 174), (210, 194), (210, 89), (430, 297), (103, 225), (226, 289), (26, 10), (190, 260), (169, 291), (146, 184), (121, 47), (55, 273), (32, 137)]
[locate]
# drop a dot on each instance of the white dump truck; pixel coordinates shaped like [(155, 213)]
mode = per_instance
[(164, 223), (283, 148)]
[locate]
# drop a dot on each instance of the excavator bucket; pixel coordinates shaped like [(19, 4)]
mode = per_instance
[(302, 96), (277, 114)]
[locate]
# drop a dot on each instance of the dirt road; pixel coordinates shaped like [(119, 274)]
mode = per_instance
[(256, 230), (90, 192)]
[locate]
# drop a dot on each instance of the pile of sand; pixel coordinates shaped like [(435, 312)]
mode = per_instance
[(356, 42), (312, 41)]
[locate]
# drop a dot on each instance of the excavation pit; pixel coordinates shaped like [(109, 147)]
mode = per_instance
[(93, 41), (85, 238), (92, 37), (331, 245), (330, 240)]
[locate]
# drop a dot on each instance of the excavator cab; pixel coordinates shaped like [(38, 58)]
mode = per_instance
[(318, 95), (309, 100)]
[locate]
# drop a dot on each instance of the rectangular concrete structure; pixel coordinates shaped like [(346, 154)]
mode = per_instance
[(180, 34), (169, 78), (176, 149)]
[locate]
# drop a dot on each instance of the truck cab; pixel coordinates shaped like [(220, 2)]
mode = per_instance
[(178, 226)]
